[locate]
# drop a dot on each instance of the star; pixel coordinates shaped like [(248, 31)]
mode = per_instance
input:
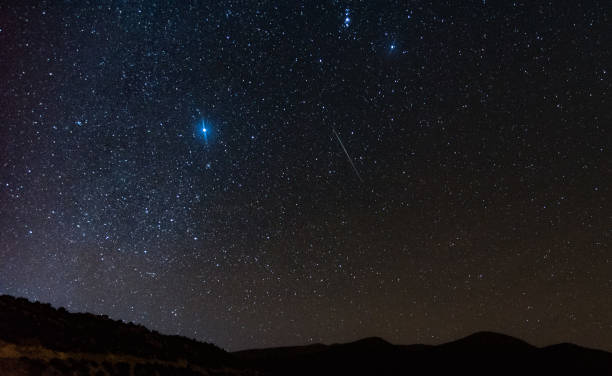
[(347, 19), (205, 130)]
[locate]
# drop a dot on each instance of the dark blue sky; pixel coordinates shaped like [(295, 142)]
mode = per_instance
[(407, 169)]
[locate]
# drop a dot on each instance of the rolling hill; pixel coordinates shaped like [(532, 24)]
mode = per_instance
[(37, 339)]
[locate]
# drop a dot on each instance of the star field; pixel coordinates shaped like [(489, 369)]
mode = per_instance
[(267, 173)]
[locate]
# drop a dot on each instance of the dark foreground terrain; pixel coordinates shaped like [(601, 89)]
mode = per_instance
[(37, 339)]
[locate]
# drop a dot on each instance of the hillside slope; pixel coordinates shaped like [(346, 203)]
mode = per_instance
[(37, 339)]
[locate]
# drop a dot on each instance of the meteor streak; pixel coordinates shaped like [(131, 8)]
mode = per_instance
[(347, 154)]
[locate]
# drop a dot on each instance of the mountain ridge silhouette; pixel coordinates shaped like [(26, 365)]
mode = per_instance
[(37, 339)]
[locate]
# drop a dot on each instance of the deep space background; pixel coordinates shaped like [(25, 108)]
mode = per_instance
[(266, 173)]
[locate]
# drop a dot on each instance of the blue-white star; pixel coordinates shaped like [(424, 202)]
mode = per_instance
[(204, 130), (347, 19)]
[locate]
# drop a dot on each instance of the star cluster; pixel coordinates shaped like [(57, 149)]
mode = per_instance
[(270, 173)]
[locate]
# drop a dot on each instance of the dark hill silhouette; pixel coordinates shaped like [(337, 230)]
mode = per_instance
[(35, 327), (37, 339), (484, 340), (482, 353)]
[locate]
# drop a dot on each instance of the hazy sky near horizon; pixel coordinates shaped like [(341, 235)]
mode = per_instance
[(265, 173)]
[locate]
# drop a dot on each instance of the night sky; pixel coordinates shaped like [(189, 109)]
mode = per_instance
[(271, 173)]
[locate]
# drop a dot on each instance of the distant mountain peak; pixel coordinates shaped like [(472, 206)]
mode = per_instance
[(486, 338), (371, 341)]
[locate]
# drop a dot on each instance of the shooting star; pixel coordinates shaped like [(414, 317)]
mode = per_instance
[(347, 155)]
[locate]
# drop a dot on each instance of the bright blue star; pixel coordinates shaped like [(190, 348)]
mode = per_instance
[(204, 130), (347, 19)]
